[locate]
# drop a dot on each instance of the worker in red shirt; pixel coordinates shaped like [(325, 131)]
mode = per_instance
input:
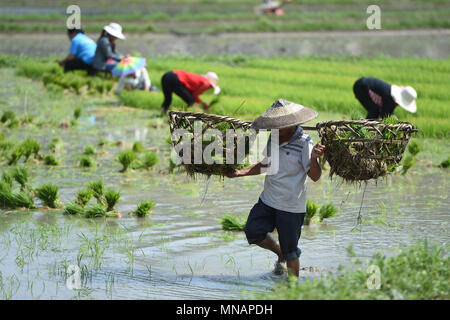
[(188, 86)]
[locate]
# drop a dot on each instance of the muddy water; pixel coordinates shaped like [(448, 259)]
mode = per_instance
[(402, 43), (180, 251)]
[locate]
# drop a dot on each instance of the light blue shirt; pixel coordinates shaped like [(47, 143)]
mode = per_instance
[(83, 48)]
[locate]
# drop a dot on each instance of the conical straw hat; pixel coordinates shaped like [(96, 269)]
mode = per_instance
[(284, 114)]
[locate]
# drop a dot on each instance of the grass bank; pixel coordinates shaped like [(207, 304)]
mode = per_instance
[(416, 273)]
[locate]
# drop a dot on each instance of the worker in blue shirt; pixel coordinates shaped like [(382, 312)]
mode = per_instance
[(81, 52)]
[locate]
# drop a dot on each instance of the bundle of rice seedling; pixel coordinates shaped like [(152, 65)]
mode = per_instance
[(414, 148), (30, 146), (95, 211), (364, 149), (138, 147), (150, 159), (111, 197), (20, 174), (83, 197), (126, 158), (311, 210), (143, 208), (73, 209), (7, 178), (407, 163), (48, 194), (98, 189), (77, 113), (86, 162), (232, 223), (23, 199), (50, 160), (445, 163), (231, 136), (89, 150), (326, 211), (8, 115)]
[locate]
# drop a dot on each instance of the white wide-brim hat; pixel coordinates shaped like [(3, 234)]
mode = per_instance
[(405, 97), (284, 114), (115, 30), (213, 80)]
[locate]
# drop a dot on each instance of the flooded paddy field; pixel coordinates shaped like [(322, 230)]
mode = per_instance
[(180, 251)]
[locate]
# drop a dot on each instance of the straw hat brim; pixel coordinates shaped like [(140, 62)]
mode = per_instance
[(279, 119), (114, 33), (396, 93)]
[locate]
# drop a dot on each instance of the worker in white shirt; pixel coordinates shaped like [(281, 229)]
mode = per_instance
[(138, 80)]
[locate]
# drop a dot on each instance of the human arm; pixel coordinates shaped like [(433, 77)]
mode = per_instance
[(68, 58), (105, 47), (146, 79), (250, 171), (315, 171)]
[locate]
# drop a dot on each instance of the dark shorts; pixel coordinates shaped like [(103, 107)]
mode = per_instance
[(264, 219)]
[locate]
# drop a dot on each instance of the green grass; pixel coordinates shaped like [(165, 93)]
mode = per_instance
[(324, 84), (207, 16), (424, 270)]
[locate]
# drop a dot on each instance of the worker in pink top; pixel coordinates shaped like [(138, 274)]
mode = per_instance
[(188, 86)]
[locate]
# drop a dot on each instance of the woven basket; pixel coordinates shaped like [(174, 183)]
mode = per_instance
[(187, 120), (363, 149)]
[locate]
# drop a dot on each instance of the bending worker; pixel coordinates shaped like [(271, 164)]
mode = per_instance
[(380, 98)]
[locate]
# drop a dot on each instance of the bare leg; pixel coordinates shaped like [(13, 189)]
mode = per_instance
[(293, 267), (270, 244)]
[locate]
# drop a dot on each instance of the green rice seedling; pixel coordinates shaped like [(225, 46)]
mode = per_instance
[(102, 142), (83, 197), (150, 159), (14, 156), (407, 163), (20, 174), (138, 147), (23, 200), (8, 115), (7, 178), (98, 190), (126, 157), (86, 162), (73, 209), (27, 119), (77, 113), (48, 194), (327, 210), (143, 208), (414, 148), (445, 163), (95, 211), (311, 210), (50, 160), (111, 197), (30, 146), (89, 150), (232, 223)]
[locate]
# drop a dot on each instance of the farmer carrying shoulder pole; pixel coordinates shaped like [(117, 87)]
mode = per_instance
[(380, 98), (188, 86), (282, 204)]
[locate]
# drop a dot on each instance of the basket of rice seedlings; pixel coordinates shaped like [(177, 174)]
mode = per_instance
[(144, 208), (48, 194), (112, 198), (311, 210), (50, 160), (73, 209), (150, 159), (98, 190), (125, 158), (89, 150), (95, 211), (20, 174), (232, 223), (83, 197), (359, 150), (327, 210), (138, 147), (231, 137)]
